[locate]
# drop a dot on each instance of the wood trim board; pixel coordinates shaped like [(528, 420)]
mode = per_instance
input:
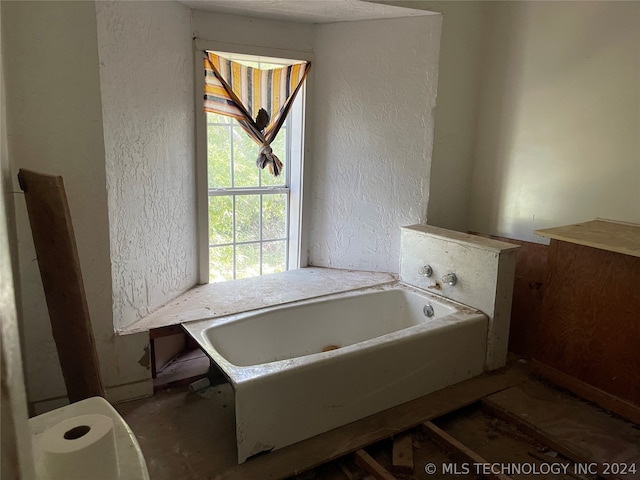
[(59, 265)]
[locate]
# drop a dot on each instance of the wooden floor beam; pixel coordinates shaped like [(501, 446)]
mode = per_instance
[(365, 461), (450, 444), (402, 453)]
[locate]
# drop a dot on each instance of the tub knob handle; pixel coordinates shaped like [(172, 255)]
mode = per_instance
[(425, 271), (450, 279)]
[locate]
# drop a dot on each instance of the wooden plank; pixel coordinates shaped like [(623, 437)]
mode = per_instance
[(402, 453), (341, 441), (546, 459), (616, 237), (572, 429), (451, 444), (364, 460), (59, 265), (528, 290), (216, 300), (533, 431), (589, 324), (586, 391), (182, 370), (346, 471)]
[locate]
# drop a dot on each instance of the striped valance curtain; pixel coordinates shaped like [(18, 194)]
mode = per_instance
[(259, 99)]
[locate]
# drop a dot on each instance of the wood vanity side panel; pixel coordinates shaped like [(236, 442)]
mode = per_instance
[(590, 322), (528, 290)]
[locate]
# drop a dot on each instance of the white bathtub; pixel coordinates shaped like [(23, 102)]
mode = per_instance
[(388, 352)]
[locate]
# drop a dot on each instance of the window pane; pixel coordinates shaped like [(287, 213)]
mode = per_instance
[(217, 118), (247, 218), (248, 260), (274, 257), (218, 155), (278, 147), (220, 264), (220, 220), (274, 212), (245, 152)]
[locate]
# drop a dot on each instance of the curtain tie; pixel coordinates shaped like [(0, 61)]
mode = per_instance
[(267, 157)]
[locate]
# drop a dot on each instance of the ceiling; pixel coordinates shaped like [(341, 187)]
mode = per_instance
[(306, 11)]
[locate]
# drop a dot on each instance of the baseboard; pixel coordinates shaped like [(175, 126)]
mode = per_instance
[(115, 394), (601, 398), (130, 391)]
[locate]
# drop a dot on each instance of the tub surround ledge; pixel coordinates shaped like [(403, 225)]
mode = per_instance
[(485, 271), (237, 296)]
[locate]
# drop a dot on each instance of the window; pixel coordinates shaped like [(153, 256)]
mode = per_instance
[(253, 218)]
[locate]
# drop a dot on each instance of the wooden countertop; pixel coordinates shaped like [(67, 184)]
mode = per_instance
[(606, 235)]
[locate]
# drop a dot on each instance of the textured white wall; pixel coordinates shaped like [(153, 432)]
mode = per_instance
[(558, 131), (146, 78), (54, 125), (16, 460), (254, 33), (371, 123), (458, 88)]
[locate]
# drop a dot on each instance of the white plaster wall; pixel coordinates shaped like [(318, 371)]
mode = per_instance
[(559, 122), (146, 78), (16, 460), (459, 70), (252, 32), (455, 126), (54, 125), (372, 124)]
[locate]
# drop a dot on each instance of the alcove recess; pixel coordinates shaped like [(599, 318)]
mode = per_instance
[(176, 359)]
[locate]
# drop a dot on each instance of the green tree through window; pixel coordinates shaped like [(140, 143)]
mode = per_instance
[(248, 207)]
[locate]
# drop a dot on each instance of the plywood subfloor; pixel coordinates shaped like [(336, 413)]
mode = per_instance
[(580, 431), (215, 300), (612, 236), (183, 435), (186, 436)]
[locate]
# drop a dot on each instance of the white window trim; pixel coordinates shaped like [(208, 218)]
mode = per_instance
[(296, 169)]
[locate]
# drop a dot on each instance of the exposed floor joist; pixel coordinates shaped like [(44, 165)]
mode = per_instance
[(450, 443), (402, 453), (364, 460)]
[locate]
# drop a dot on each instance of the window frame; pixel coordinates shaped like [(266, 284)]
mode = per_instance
[(294, 171)]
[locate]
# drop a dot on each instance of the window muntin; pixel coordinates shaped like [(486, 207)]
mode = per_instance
[(293, 173), (248, 207)]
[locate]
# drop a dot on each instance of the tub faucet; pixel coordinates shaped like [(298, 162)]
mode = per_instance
[(450, 279)]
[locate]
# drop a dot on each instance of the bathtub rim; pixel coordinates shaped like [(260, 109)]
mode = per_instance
[(239, 375)]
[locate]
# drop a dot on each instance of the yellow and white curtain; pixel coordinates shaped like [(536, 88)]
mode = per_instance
[(259, 99)]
